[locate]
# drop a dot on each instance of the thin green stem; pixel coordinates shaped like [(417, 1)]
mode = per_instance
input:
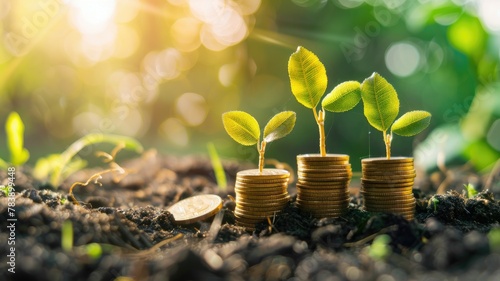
[(262, 149), (387, 141), (320, 120)]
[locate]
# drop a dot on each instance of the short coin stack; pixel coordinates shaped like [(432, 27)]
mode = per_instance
[(323, 184), (387, 185), (260, 195)]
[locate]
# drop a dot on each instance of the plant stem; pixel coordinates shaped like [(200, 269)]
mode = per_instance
[(387, 141), (261, 149), (320, 120)]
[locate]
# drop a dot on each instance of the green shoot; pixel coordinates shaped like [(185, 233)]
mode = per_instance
[(60, 166), (494, 238), (434, 201), (14, 129), (380, 248), (381, 107), (471, 190), (244, 129), (67, 236), (93, 250), (308, 81), (220, 175), (113, 168), (5, 190)]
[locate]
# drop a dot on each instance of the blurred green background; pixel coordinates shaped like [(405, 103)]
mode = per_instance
[(164, 71)]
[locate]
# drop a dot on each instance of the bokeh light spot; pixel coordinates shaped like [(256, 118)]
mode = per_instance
[(91, 16), (127, 42), (489, 12), (175, 132), (185, 32), (193, 108), (402, 59)]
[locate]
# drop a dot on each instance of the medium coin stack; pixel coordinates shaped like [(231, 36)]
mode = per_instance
[(323, 184), (386, 185), (260, 195)]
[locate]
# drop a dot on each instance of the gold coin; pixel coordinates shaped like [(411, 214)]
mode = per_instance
[(265, 174), (387, 192), (261, 181), (321, 204), (196, 208), (377, 181), (261, 202), (250, 184), (389, 204), (252, 214), (254, 196), (327, 157), (323, 186), (388, 185), (388, 175), (327, 196), (391, 198), (322, 192), (385, 160), (322, 167), (326, 179), (247, 221), (323, 175), (267, 190), (259, 208)]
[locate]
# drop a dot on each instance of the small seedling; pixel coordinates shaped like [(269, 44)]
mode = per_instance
[(220, 175), (58, 166), (5, 190), (381, 107), (471, 190), (67, 236), (308, 81), (244, 129), (14, 129), (118, 172), (380, 248)]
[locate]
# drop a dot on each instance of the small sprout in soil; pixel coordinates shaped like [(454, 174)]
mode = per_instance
[(118, 172), (244, 129), (220, 175), (380, 248), (471, 190), (5, 190), (434, 201), (308, 81), (494, 238), (381, 107), (14, 129), (59, 166), (93, 250), (67, 236)]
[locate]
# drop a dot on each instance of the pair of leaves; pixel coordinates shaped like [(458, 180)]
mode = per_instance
[(244, 129), (308, 81), (381, 107)]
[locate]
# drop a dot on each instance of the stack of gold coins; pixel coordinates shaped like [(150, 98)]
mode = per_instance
[(323, 184), (260, 195), (386, 185)]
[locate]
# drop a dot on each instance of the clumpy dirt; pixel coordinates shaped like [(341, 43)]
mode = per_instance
[(122, 231)]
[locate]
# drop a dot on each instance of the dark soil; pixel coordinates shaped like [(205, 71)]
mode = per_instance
[(138, 239)]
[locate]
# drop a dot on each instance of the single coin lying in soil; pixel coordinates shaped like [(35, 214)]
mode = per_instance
[(196, 208)]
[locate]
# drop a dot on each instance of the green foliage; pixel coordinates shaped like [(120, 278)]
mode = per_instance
[(494, 238), (67, 236), (241, 127), (244, 129), (5, 190), (471, 190), (307, 77), (380, 100), (14, 130), (220, 175), (411, 123), (59, 166), (343, 97), (380, 248), (279, 126), (93, 250), (381, 107)]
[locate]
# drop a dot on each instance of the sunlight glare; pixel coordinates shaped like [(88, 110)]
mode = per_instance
[(402, 59), (489, 12), (193, 108), (92, 16)]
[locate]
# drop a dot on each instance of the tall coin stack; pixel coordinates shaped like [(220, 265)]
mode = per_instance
[(323, 184), (386, 185), (260, 195)]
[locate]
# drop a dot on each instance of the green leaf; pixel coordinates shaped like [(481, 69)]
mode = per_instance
[(380, 100), (411, 123), (241, 127), (343, 97), (279, 126), (308, 78), (14, 129)]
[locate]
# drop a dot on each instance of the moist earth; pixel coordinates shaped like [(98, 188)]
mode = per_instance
[(123, 231)]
